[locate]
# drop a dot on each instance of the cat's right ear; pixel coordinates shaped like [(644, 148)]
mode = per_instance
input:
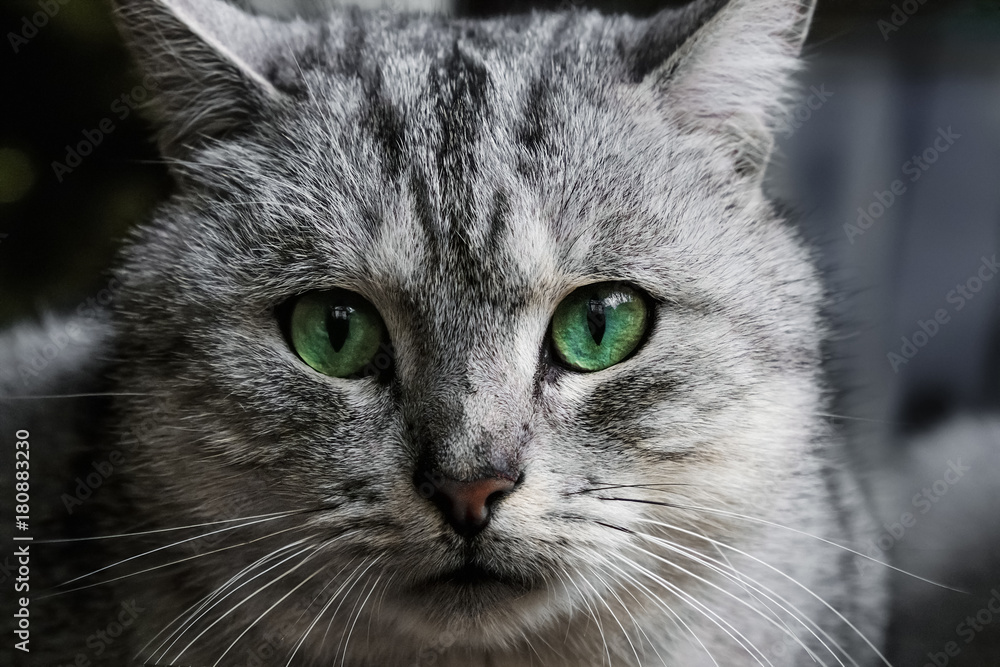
[(210, 68), (723, 67)]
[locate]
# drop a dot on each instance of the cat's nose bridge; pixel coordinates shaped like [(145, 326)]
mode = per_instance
[(465, 404), (466, 444), (469, 451)]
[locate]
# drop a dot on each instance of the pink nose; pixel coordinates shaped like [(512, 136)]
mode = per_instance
[(466, 505)]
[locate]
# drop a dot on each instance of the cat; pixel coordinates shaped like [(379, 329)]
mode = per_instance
[(460, 343)]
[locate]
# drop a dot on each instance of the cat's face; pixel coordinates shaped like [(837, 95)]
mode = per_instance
[(465, 179)]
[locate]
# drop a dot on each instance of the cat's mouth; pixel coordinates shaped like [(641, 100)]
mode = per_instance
[(469, 574), (473, 603), (474, 576)]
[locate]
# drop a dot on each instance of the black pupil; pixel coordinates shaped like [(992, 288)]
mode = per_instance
[(595, 319), (338, 325)]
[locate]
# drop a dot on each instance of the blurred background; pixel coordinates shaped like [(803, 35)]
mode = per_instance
[(890, 159)]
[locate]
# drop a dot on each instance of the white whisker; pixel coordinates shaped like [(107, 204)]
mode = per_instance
[(631, 616), (711, 615), (794, 530), (378, 607), (275, 515), (346, 587), (168, 546), (196, 607), (673, 614), (171, 563), (319, 615), (807, 590), (752, 587), (614, 617), (742, 580), (204, 608), (593, 614), (267, 611), (360, 608), (314, 550)]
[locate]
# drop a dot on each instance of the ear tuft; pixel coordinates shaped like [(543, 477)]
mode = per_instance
[(725, 66), (210, 64), (664, 33)]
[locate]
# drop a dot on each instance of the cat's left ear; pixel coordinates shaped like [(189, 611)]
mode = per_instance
[(724, 66)]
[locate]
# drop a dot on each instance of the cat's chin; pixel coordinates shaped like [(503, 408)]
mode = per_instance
[(471, 606)]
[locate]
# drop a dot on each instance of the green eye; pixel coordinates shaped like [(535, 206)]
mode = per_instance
[(336, 332), (599, 325)]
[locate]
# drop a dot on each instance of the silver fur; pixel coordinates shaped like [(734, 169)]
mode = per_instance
[(465, 177)]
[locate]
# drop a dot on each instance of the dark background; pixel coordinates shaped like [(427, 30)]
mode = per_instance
[(887, 94)]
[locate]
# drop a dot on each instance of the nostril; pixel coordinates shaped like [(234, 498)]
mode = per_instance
[(466, 504), (495, 496)]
